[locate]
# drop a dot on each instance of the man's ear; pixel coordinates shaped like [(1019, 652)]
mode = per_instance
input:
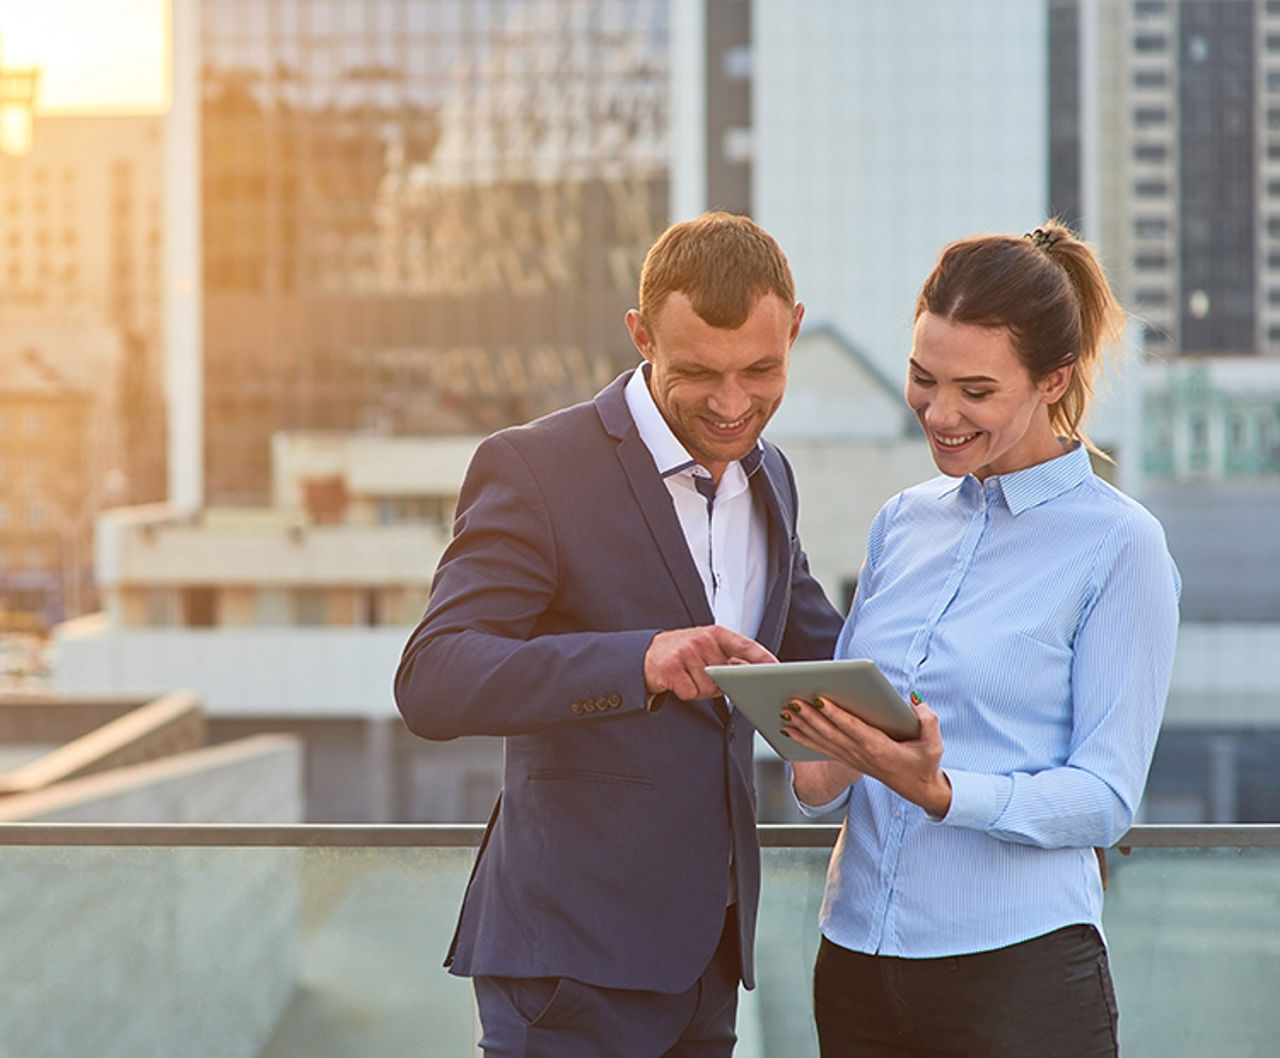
[(797, 318), (639, 336)]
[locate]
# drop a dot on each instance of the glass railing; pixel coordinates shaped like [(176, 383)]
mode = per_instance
[(319, 941)]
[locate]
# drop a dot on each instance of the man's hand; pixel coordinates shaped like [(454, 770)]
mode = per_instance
[(677, 661)]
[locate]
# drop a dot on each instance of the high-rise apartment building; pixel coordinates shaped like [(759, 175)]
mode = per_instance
[(46, 517), (411, 216), (1166, 144), (81, 246)]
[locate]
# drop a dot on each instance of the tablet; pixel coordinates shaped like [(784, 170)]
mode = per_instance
[(761, 693)]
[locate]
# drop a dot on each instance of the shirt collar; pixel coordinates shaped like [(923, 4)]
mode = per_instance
[(1032, 486), (669, 455)]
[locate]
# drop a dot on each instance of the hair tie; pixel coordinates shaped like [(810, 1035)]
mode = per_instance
[(1044, 240)]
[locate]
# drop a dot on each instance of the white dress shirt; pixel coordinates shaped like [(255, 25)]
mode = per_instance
[(726, 534)]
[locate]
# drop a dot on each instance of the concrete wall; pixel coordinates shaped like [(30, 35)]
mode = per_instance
[(263, 671), (250, 781), (154, 952)]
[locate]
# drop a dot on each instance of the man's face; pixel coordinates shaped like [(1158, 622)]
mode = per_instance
[(717, 388)]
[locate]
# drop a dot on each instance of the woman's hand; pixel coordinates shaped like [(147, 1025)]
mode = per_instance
[(911, 769), (818, 782)]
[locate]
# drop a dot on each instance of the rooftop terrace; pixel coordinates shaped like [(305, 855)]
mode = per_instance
[(282, 941)]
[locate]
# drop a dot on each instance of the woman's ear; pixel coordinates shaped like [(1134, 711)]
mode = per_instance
[(1054, 385)]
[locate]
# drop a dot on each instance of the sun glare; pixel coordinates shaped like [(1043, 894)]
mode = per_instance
[(93, 55)]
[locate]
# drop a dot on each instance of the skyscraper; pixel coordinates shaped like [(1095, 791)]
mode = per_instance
[(1166, 119)]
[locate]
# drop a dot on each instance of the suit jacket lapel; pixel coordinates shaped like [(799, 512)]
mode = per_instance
[(772, 495), (654, 500)]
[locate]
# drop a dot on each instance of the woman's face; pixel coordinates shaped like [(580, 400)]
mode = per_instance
[(976, 401)]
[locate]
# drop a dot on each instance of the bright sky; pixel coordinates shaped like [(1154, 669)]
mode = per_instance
[(94, 54)]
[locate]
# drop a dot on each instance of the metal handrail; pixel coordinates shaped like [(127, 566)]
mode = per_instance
[(467, 835)]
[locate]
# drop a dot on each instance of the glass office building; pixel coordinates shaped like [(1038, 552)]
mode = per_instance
[(419, 216)]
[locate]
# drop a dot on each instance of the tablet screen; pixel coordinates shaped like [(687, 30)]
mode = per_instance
[(761, 693)]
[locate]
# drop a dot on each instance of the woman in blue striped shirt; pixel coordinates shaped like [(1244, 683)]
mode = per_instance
[(1034, 608)]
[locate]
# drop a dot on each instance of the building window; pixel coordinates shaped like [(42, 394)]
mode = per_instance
[(309, 607), (1273, 42), (1273, 227), (1149, 262), (271, 607), (1239, 432), (1151, 188), (1149, 117), (737, 63), (1150, 79), (1147, 43), (1151, 296), (159, 608), (1199, 433), (35, 514), (416, 510), (1273, 296), (200, 607), (1151, 152), (1151, 227)]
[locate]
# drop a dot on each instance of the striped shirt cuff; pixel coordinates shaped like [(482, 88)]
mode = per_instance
[(813, 811), (976, 799)]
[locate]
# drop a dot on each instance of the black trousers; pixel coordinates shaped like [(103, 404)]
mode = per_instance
[(1048, 997)]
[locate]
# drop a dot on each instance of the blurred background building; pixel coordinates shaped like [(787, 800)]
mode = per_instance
[(418, 217), (1165, 139), (368, 232), (81, 325)]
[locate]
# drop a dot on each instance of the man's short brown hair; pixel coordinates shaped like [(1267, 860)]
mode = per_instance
[(724, 263)]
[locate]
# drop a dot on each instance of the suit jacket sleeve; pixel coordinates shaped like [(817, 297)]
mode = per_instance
[(485, 660)]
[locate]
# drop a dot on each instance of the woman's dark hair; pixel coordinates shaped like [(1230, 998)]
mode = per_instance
[(1048, 291)]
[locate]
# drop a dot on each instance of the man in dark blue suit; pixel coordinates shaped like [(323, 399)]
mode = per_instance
[(602, 557)]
